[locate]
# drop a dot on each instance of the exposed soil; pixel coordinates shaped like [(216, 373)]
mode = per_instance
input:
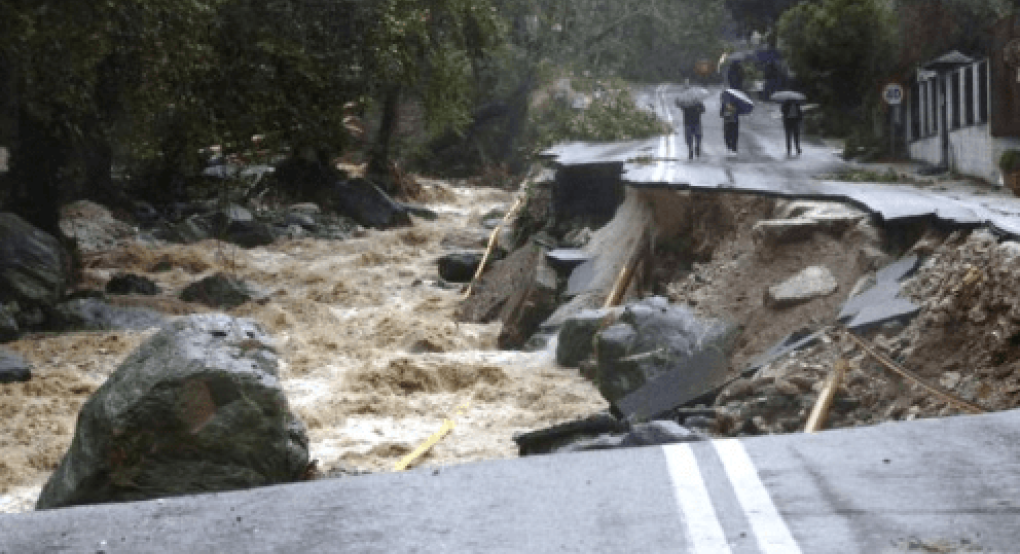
[(372, 357)]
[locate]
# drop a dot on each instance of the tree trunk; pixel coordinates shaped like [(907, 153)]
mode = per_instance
[(379, 162), (39, 154)]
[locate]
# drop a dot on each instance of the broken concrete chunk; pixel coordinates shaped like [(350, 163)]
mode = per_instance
[(811, 283)]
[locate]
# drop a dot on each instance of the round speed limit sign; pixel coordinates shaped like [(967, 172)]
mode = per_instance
[(892, 94)]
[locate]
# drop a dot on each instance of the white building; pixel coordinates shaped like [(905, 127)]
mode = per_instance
[(948, 117)]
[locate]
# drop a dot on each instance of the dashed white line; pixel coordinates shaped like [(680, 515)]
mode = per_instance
[(770, 529), (704, 531)]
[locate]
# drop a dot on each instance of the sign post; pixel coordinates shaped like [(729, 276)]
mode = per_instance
[(893, 96)]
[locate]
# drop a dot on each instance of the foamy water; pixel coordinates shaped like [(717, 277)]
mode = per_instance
[(372, 359)]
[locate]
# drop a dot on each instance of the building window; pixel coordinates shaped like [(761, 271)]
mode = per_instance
[(982, 92), (954, 99), (968, 95)]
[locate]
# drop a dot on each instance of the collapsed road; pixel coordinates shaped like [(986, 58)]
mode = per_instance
[(755, 261)]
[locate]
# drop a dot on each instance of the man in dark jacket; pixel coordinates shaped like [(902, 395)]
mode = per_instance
[(692, 127), (731, 123), (792, 116)]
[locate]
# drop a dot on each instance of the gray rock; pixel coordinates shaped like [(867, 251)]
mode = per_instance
[(369, 205), (301, 219), (129, 283), (9, 328), (219, 291), (813, 282), (197, 408), (249, 234), (525, 311), (615, 375), (93, 314), (576, 338), (653, 340), (459, 267), (33, 265), (14, 368)]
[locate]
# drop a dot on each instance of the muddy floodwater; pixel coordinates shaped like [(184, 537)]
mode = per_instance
[(372, 359)]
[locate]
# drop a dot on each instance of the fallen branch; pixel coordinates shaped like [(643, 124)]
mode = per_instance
[(904, 372), (492, 244), (448, 425), (820, 411)]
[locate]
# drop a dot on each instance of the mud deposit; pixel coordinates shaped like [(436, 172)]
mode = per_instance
[(372, 359)]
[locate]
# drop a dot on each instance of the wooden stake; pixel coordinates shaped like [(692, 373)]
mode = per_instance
[(488, 250), (820, 411), (626, 275)]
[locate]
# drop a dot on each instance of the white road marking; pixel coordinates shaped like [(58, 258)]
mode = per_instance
[(703, 527), (773, 535)]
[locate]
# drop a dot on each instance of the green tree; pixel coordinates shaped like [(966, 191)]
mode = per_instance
[(840, 48), (431, 50), (74, 67)]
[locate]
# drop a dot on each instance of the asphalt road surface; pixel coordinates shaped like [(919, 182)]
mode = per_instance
[(945, 485), (762, 167)]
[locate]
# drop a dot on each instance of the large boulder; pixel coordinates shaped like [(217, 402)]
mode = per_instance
[(369, 205), (653, 338), (34, 267), (196, 408)]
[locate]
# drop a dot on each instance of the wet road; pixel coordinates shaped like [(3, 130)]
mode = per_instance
[(762, 167), (943, 485)]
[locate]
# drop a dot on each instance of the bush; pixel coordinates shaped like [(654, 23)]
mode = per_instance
[(1009, 161), (612, 115)]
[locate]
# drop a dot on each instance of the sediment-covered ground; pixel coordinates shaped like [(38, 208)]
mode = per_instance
[(372, 358)]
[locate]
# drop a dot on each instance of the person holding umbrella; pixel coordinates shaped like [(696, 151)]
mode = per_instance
[(793, 115), (731, 123), (690, 103)]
